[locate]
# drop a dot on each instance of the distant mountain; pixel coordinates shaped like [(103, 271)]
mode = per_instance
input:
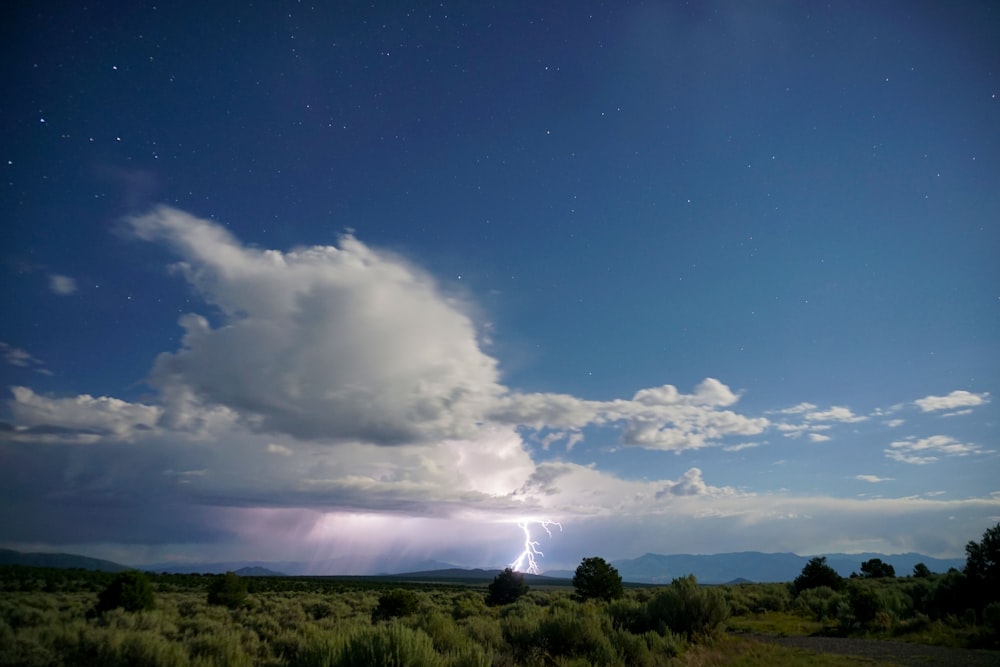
[(456, 574), (59, 561), (343, 566), (759, 567), (258, 572)]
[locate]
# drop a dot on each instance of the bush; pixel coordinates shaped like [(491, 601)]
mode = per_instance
[(228, 590), (394, 604), (688, 609), (129, 590), (817, 573), (596, 579), (507, 587)]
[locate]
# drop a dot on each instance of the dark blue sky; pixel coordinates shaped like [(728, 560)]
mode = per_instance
[(553, 209)]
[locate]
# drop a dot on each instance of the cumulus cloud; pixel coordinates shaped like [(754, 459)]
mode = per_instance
[(956, 399), (691, 483), (927, 450), (332, 342), (818, 437), (62, 285)]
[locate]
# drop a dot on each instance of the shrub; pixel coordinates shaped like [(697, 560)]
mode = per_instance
[(688, 609), (817, 573), (129, 590), (507, 587), (228, 590), (390, 645), (395, 603), (576, 631), (596, 579)]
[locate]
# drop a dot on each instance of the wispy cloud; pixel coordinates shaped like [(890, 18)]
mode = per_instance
[(62, 285), (921, 451), (873, 479), (956, 399)]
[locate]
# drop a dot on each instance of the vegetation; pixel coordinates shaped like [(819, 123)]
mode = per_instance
[(228, 590), (129, 590), (507, 587), (596, 579), (876, 569), (817, 574), (46, 619), (395, 604)]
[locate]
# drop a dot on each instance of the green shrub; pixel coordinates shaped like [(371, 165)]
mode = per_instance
[(389, 645), (394, 604), (577, 632), (228, 590), (129, 590), (688, 609)]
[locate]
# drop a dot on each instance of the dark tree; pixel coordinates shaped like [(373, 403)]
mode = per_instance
[(228, 590), (817, 573), (983, 558), (876, 569), (921, 571), (129, 590), (507, 587), (596, 579), (982, 566), (395, 603)]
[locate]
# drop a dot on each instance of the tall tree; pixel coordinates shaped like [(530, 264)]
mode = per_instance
[(817, 573), (595, 578)]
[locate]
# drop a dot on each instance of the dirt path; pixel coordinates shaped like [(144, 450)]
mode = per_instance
[(902, 653)]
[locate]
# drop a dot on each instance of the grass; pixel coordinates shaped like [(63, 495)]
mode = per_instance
[(733, 651), (775, 623)]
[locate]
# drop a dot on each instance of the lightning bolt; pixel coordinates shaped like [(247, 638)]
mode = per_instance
[(527, 562)]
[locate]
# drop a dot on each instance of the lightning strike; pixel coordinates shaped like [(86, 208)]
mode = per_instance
[(527, 562)]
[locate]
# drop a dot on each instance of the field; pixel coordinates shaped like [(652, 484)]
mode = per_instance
[(48, 617)]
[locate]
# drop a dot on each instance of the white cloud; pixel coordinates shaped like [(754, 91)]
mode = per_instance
[(818, 437), (691, 483), (740, 447), (798, 409), (94, 416), (927, 450), (956, 399), (62, 285), (274, 448), (873, 479), (835, 414), (323, 342), (895, 423)]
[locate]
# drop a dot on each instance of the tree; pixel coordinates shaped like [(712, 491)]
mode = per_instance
[(129, 590), (507, 587), (817, 573), (921, 571), (228, 590), (876, 569), (596, 579), (982, 565)]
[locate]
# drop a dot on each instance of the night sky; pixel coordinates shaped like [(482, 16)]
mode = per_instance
[(297, 281)]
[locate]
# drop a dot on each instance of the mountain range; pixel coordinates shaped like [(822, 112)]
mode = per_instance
[(647, 569)]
